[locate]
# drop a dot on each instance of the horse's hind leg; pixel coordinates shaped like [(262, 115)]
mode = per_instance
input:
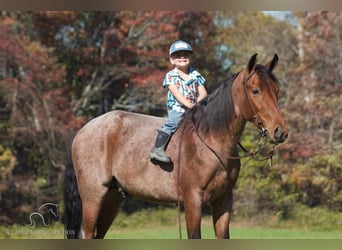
[(90, 212), (109, 210), (92, 197)]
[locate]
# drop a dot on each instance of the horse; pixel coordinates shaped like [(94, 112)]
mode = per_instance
[(109, 156)]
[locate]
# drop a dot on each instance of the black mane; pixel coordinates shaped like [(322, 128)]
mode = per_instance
[(216, 110)]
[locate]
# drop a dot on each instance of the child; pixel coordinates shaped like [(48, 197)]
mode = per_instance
[(186, 87)]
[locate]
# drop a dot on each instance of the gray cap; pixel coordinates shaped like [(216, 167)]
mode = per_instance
[(180, 46)]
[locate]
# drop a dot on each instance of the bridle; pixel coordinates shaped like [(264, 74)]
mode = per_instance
[(261, 128), (262, 135)]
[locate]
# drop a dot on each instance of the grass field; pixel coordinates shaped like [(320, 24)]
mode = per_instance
[(235, 233), (163, 224), (168, 232)]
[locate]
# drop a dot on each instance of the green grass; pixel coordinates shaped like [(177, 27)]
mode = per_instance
[(208, 233), (168, 232), (163, 224)]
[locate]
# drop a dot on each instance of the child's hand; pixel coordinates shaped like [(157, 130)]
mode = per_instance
[(190, 105)]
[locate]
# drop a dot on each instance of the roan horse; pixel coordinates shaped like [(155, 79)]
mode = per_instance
[(110, 155)]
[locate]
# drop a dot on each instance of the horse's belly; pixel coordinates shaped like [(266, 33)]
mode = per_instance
[(150, 185), (141, 178)]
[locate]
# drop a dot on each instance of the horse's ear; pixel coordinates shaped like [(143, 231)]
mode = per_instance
[(251, 63), (272, 64)]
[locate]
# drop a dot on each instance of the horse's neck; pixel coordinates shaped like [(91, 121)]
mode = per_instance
[(238, 125), (225, 142), (235, 130)]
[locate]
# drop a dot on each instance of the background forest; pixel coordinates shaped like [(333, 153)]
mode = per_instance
[(60, 69)]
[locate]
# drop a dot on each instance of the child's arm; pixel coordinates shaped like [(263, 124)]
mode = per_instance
[(202, 93), (179, 97)]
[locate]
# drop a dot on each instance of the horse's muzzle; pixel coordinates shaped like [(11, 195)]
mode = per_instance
[(279, 135)]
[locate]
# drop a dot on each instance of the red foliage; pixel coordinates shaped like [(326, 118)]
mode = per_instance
[(41, 119)]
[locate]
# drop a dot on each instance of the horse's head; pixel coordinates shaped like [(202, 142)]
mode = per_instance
[(258, 99)]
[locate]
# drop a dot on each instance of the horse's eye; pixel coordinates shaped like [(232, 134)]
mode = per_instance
[(256, 91)]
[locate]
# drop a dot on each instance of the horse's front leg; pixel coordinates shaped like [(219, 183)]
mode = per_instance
[(193, 213), (221, 210)]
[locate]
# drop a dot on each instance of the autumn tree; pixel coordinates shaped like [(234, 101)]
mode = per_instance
[(109, 54), (39, 118), (243, 33), (314, 109), (319, 89)]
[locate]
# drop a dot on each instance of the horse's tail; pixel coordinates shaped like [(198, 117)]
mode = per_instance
[(72, 201)]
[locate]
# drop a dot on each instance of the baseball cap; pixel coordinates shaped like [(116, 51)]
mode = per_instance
[(180, 46)]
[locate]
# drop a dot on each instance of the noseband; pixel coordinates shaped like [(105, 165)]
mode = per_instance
[(261, 128)]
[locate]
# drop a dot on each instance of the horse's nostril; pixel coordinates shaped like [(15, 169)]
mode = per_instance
[(278, 133)]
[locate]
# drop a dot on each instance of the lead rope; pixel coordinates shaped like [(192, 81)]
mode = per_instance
[(252, 154), (178, 184)]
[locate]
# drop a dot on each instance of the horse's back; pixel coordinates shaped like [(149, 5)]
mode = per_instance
[(114, 132), (115, 123), (117, 145)]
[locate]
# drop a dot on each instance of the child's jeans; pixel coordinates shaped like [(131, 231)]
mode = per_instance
[(174, 119)]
